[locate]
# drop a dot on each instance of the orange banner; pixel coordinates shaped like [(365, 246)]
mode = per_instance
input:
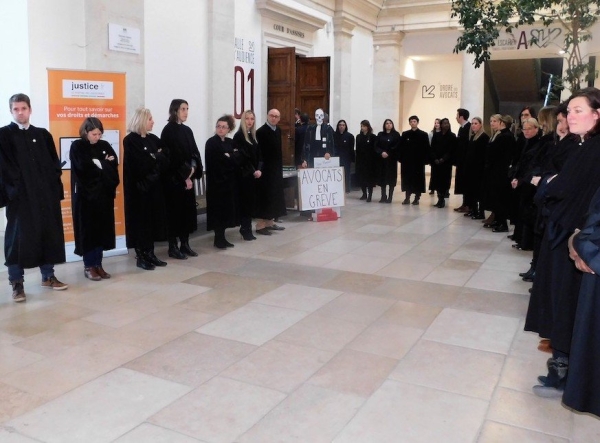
[(74, 96)]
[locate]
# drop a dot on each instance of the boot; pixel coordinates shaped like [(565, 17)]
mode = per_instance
[(142, 261), (185, 249), (152, 258), (441, 203), (527, 273), (553, 384), (416, 200), (174, 251), (369, 193), (406, 201), (18, 294), (364, 193), (383, 198), (247, 235), (390, 195)]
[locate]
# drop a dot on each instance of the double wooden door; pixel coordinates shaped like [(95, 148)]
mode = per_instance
[(295, 82)]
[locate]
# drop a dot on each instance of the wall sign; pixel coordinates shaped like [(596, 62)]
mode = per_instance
[(124, 39), (525, 38), (245, 76)]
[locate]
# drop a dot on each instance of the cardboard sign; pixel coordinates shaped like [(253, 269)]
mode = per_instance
[(321, 188)]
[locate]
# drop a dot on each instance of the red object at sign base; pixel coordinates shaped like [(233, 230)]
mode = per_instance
[(327, 214)]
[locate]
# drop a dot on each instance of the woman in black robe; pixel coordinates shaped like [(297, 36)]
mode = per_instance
[(185, 166), (344, 146), (222, 161), (386, 147), (144, 162), (245, 142), (366, 160), (442, 147), (474, 164), (94, 180), (497, 162), (553, 303)]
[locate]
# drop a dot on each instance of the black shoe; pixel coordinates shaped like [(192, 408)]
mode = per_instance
[(220, 244), (511, 236), (369, 198), (247, 235), (144, 264), (227, 244), (500, 228), (415, 202), (153, 259), (276, 228), (383, 199), (529, 272), (174, 252), (478, 216), (493, 224), (441, 203), (363, 197), (529, 278), (185, 249), (263, 231), (406, 201)]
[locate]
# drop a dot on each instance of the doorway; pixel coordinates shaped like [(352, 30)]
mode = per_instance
[(295, 82)]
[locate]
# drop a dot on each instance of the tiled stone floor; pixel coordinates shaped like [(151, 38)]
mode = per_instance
[(394, 324)]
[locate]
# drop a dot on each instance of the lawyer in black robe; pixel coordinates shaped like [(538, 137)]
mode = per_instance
[(442, 147), (221, 190), (387, 145), (185, 166), (94, 180), (270, 198), (413, 156), (144, 163), (366, 160), (248, 171), (459, 159), (32, 193), (582, 391), (474, 164), (344, 149)]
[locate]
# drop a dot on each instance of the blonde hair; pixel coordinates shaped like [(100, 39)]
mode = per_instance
[(547, 119), (530, 121), (244, 130), (139, 121)]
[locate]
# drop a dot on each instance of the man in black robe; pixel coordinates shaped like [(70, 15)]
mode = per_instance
[(31, 190), (414, 150), (462, 141), (270, 198)]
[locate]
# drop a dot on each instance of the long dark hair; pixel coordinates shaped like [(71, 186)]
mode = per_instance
[(393, 126), (337, 127), (174, 107), (368, 125)]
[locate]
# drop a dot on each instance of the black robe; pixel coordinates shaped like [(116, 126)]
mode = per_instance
[(460, 153), (299, 135), (183, 154), (442, 147), (413, 156), (344, 148), (582, 391), (388, 142), (221, 190), (93, 192), (367, 160), (553, 301), (32, 189), (318, 148), (496, 187), (246, 183), (145, 206), (474, 166), (270, 198)]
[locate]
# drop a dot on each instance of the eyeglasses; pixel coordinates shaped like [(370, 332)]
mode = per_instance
[(222, 127)]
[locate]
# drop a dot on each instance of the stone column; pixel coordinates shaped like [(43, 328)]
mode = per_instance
[(386, 77), (342, 69), (472, 87), (220, 59)]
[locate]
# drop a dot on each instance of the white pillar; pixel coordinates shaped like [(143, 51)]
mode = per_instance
[(342, 69), (472, 87), (386, 77)]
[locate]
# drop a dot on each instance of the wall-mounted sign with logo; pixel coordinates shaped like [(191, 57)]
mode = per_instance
[(527, 37), (124, 38)]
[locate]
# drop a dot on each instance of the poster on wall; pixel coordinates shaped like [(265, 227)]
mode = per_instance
[(247, 78), (73, 96)]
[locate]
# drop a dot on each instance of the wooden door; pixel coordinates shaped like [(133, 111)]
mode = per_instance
[(312, 85), (281, 93)]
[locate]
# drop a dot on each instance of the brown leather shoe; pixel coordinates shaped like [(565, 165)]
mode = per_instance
[(91, 273), (101, 272), (545, 345)]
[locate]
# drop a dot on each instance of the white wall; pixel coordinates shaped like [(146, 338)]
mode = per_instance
[(436, 74), (176, 61), (362, 80)]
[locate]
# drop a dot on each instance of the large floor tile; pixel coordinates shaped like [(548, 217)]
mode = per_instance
[(254, 323), (101, 410), (218, 411), (451, 368), (356, 308), (191, 359), (497, 280), (493, 432), (473, 330), (405, 413), (354, 262), (148, 433), (302, 298), (16, 402), (310, 414), (386, 339), (354, 282)]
